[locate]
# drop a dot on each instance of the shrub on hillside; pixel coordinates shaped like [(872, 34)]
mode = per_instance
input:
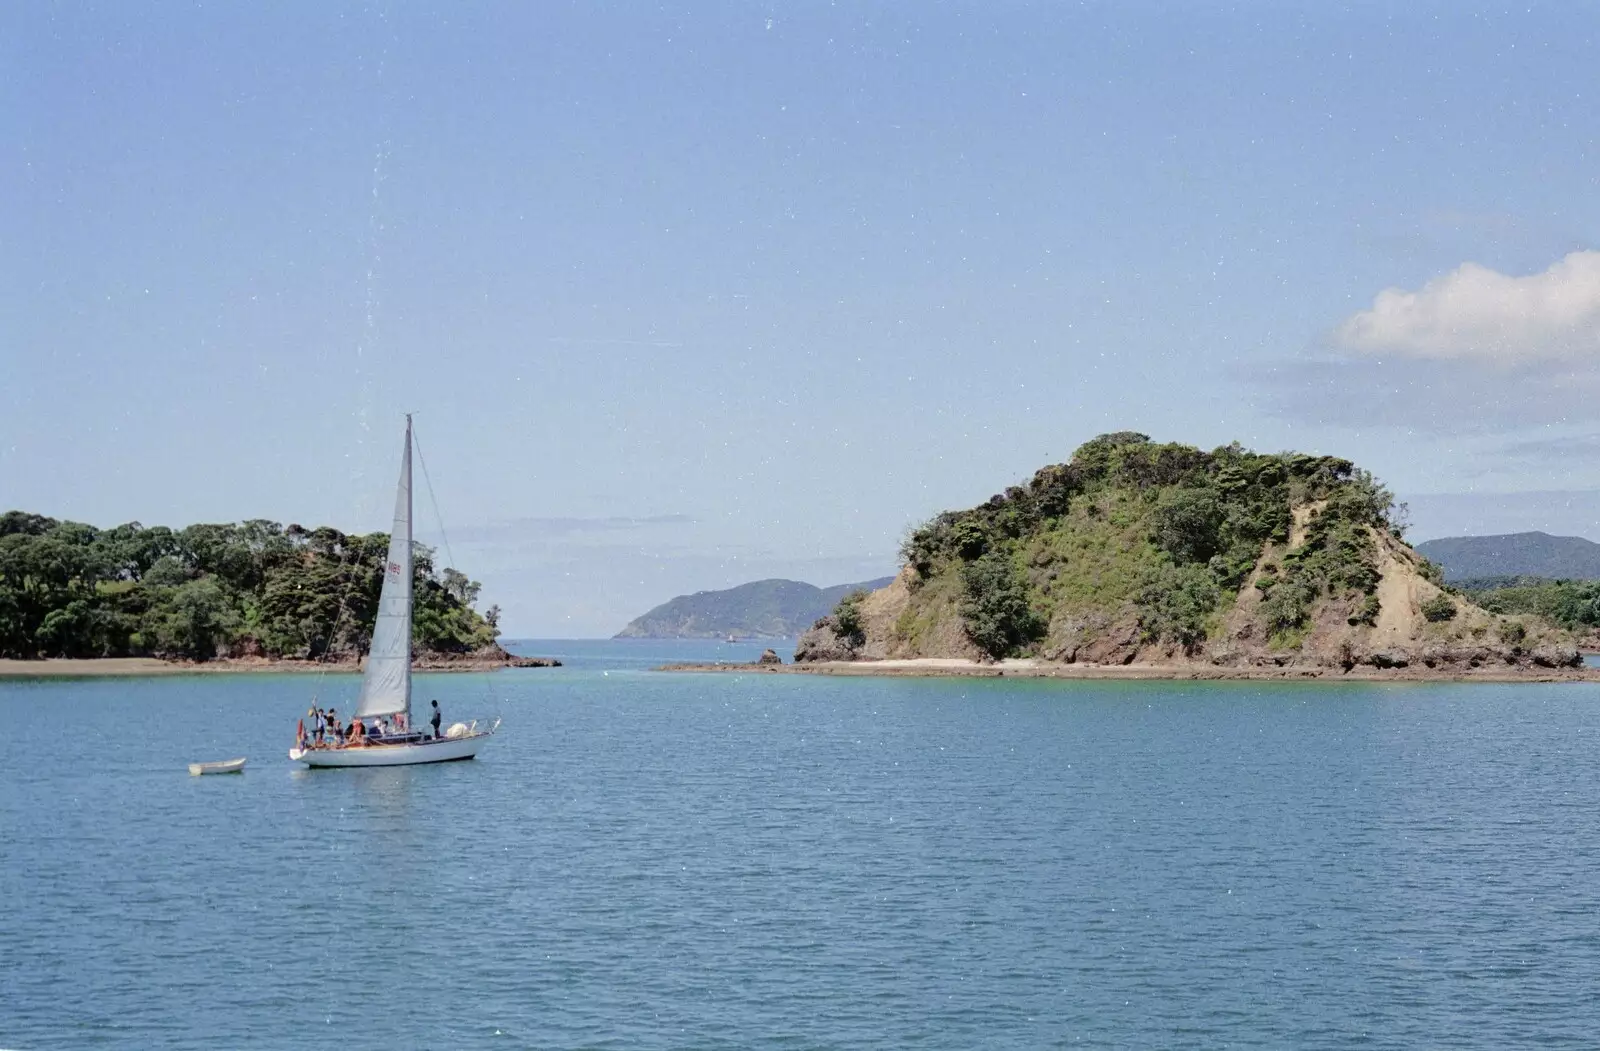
[(1189, 524), (1175, 603), (1439, 608), (847, 618), (1287, 606), (969, 538), (995, 608), (1366, 613), (1337, 559)]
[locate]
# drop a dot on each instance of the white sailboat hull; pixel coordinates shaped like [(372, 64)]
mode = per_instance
[(444, 750)]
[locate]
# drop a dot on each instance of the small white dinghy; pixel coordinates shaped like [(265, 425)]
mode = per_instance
[(229, 766)]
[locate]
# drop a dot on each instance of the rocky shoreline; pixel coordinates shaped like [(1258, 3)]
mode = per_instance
[(1187, 672)]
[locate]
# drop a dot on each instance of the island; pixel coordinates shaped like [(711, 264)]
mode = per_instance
[(1151, 560), (1514, 555), (761, 609), (256, 595)]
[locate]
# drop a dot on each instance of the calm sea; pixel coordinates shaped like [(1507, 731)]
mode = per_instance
[(661, 861)]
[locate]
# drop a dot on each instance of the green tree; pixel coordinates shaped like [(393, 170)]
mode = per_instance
[(197, 622), (995, 607), (69, 589), (847, 618), (1189, 524), (67, 631), (1175, 603), (459, 587)]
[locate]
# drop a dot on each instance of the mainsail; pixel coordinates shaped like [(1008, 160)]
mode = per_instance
[(386, 685)]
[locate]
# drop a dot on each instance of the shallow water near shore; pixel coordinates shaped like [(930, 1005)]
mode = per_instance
[(660, 860)]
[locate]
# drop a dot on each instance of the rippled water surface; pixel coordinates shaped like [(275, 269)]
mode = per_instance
[(645, 860)]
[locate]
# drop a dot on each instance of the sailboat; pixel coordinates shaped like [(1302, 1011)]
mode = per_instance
[(386, 681)]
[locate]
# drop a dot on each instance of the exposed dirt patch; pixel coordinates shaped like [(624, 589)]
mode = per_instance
[(1397, 598), (881, 611), (1300, 521)]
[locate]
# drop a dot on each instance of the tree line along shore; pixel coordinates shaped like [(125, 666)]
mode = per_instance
[(252, 593), (1132, 555)]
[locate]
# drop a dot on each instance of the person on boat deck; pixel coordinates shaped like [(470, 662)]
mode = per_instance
[(335, 730), (319, 720), (435, 720), (358, 732), (400, 722)]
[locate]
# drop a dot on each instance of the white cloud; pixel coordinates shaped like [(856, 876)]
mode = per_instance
[(1477, 314)]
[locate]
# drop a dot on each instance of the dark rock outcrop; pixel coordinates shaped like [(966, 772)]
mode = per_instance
[(491, 656), (823, 642), (1555, 655)]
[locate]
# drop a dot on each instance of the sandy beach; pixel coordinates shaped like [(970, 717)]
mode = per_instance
[(1036, 669), (143, 666), (15, 669)]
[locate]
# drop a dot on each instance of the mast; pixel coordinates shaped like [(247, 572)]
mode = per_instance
[(386, 683)]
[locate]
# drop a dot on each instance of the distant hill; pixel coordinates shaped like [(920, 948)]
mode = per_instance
[(1514, 555), (766, 609)]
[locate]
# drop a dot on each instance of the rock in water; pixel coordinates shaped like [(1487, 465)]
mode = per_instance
[(769, 657)]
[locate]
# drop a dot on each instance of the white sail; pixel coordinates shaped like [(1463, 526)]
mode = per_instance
[(386, 685)]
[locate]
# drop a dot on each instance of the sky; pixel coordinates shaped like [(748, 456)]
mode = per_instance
[(685, 295)]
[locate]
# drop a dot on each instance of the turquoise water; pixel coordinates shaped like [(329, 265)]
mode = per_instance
[(651, 861)]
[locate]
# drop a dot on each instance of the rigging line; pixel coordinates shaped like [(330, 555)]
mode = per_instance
[(433, 498)]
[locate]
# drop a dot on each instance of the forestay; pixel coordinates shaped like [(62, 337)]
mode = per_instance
[(386, 684)]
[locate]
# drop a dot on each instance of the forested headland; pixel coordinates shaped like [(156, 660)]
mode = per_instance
[(1573, 604), (1136, 551), (253, 588)]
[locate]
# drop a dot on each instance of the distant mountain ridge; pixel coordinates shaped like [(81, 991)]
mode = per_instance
[(764, 609), (1514, 555)]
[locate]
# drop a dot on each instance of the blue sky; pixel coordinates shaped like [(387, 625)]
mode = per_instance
[(692, 294)]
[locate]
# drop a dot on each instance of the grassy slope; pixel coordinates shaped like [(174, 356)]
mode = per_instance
[(1094, 558), (1083, 569)]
